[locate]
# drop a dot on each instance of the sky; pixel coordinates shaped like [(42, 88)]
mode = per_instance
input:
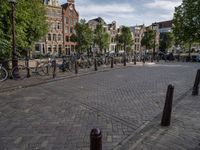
[(126, 12)]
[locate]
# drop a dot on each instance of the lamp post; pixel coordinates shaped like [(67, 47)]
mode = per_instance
[(14, 51), (154, 42)]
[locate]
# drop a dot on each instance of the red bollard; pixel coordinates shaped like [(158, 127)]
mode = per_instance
[(95, 139), (166, 118)]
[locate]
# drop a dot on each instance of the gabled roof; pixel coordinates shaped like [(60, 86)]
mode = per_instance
[(133, 28), (165, 24), (64, 5), (99, 20)]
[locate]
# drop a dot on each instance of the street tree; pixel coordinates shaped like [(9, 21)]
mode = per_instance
[(166, 41), (31, 25), (186, 25), (83, 37), (125, 39), (148, 39), (101, 38)]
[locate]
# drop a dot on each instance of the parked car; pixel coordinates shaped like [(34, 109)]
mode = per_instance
[(198, 58)]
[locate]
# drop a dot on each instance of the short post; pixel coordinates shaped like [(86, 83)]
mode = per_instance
[(195, 91), (95, 64), (76, 67), (124, 60), (134, 59), (143, 60), (112, 62), (158, 59), (54, 68), (95, 139), (166, 118), (27, 63)]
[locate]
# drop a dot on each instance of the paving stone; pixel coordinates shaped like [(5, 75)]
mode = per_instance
[(61, 114)]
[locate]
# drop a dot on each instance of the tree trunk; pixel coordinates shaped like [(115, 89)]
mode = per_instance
[(189, 57)]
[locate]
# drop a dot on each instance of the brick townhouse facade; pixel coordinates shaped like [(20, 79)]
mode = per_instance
[(61, 20), (70, 18), (111, 29), (138, 32)]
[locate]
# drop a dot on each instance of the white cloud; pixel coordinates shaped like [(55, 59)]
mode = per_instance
[(163, 4), (122, 13), (106, 9), (127, 13)]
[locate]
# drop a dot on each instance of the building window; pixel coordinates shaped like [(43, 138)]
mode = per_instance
[(37, 47), (49, 49), (49, 37), (55, 26), (59, 26), (54, 37), (66, 30), (59, 37), (112, 40), (71, 22), (70, 13), (67, 39), (67, 20), (59, 49), (75, 21), (55, 49), (71, 30)]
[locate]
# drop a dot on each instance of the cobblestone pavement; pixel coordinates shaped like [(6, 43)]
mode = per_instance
[(60, 115), (37, 79), (183, 134)]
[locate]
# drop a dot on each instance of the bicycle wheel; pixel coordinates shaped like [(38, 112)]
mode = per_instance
[(47, 70), (40, 71), (3, 74), (20, 72)]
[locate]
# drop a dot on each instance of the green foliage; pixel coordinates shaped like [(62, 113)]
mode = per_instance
[(125, 38), (166, 41), (31, 25), (5, 44), (148, 39), (186, 24), (101, 38), (83, 36)]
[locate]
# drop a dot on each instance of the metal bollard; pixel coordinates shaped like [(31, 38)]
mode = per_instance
[(112, 62), (95, 139), (76, 68), (28, 69), (124, 60), (166, 118), (195, 91), (95, 64), (134, 60), (54, 68)]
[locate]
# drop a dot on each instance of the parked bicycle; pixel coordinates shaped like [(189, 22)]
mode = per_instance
[(50, 67), (15, 73), (24, 71), (66, 64), (3, 73)]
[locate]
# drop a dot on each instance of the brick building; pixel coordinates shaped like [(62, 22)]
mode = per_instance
[(111, 29), (138, 33), (70, 18), (52, 43)]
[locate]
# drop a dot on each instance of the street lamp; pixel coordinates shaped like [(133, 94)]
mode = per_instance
[(14, 51), (154, 44)]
